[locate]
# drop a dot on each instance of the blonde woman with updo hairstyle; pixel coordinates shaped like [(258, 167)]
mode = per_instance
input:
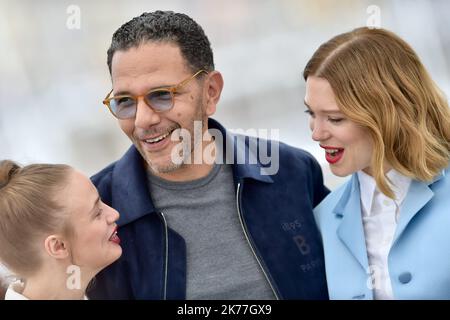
[(381, 119), (55, 232)]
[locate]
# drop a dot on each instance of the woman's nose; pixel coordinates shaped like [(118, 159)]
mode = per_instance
[(319, 132), (113, 215)]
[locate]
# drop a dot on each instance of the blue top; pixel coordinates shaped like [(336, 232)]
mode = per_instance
[(276, 212), (419, 259)]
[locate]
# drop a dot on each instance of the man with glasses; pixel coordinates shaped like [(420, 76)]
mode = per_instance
[(202, 230)]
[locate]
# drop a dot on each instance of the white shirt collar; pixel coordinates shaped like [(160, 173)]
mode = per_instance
[(368, 188), (14, 291)]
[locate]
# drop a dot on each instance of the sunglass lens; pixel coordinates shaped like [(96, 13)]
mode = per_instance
[(123, 108), (160, 100)]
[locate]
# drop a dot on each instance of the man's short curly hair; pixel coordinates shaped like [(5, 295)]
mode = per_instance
[(166, 26)]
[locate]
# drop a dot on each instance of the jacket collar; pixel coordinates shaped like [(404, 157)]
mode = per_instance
[(419, 194), (130, 193), (350, 230), (352, 190), (240, 151), (348, 208)]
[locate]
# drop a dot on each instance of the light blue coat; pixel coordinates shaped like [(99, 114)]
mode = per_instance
[(419, 259)]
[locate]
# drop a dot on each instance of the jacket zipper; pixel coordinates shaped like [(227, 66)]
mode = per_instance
[(166, 253), (244, 228)]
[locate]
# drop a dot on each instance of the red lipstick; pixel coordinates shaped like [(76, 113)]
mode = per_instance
[(333, 154)]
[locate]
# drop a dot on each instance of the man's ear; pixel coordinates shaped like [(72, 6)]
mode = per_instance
[(56, 246), (214, 86)]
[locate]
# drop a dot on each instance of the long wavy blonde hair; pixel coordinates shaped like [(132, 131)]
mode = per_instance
[(380, 84)]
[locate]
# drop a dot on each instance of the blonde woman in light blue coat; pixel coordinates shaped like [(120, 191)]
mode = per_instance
[(380, 118)]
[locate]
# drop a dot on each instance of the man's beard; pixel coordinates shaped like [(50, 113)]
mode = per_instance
[(187, 156), (164, 168)]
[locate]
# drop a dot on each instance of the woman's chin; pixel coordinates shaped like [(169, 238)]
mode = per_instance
[(113, 255), (117, 253), (340, 173)]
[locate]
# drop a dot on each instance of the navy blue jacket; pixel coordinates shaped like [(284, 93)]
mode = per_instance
[(276, 213)]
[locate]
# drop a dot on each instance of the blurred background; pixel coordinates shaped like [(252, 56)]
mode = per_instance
[(53, 72)]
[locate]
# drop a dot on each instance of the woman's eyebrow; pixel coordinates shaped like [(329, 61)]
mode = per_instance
[(330, 111)]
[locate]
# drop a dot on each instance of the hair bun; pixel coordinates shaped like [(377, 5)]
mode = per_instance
[(8, 169)]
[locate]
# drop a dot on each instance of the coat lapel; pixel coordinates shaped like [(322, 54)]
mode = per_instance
[(350, 230), (419, 194)]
